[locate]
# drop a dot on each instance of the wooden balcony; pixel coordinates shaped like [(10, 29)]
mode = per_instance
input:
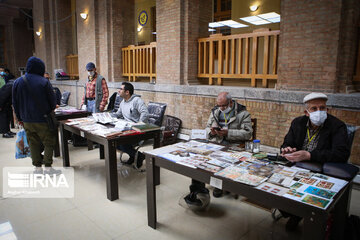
[(241, 56), (139, 61)]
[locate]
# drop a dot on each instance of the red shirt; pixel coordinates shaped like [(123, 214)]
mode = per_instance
[(90, 91)]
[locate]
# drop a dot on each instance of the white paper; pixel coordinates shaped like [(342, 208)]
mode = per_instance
[(216, 182), (198, 134)]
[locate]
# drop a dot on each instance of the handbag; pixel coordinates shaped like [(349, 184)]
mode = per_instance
[(49, 117)]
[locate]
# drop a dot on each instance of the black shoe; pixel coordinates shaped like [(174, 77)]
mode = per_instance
[(130, 161), (11, 133), (292, 223), (140, 159), (7, 135), (217, 192)]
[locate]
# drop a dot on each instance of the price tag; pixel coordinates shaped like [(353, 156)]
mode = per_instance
[(215, 182), (198, 134), (82, 134)]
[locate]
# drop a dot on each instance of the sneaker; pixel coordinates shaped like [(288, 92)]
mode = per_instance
[(11, 133), (7, 135), (217, 193), (292, 223), (52, 171), (140, 159), (130, 161), (38, 170)]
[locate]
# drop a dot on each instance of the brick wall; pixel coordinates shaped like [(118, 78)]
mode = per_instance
[(273, 115), (311, 38)]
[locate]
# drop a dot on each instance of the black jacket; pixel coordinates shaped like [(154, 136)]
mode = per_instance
[(333, 142), (5, 96)]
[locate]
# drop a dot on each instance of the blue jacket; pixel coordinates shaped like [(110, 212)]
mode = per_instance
[(25, 107)]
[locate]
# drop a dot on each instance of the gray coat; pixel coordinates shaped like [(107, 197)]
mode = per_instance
[(239, 125)]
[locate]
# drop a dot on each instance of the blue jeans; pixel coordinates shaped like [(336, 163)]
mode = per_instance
[(90, 106), (127, 148)]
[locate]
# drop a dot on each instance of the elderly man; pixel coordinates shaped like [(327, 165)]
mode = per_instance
[(133, 109), (316, 136), (96, 91), (229, 123)]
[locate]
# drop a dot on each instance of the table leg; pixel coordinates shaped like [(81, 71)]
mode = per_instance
[(340, 214), (101, 150), (151, 192), (112, 187), (64, 146), (90, 145), (57, 146), (157, 169)]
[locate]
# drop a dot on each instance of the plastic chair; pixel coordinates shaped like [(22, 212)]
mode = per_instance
[(64, 98), (171, 129)]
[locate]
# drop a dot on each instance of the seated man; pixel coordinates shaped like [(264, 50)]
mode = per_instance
[(316, 136), (132, 109), (229, 123)]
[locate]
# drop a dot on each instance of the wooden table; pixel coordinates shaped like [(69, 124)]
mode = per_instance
[(315, 219), (64, 116), (107, 151)]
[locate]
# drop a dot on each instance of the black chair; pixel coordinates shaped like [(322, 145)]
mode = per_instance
[(114, 102), (156, 113), (58, 95), (64, 98), (171, 129)]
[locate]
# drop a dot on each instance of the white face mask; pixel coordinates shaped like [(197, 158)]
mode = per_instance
[(318, 118), (91, 73)]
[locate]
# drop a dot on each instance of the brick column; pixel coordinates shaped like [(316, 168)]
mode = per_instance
[(311, 52), (179, 24)]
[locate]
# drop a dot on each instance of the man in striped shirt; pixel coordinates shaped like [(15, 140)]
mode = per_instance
[(96, 92)]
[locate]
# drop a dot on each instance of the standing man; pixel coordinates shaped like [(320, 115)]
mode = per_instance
[(316, 136), (6, 110), (133, 109), (96, 91), (228, 123), (31, 115)]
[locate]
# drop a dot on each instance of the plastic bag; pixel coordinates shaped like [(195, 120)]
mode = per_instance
[(22, 148)]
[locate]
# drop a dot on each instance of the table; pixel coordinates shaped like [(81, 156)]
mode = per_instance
[(64, 116), (107, 151), (315, 219)]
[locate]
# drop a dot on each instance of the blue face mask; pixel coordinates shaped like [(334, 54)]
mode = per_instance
[(2, 73)]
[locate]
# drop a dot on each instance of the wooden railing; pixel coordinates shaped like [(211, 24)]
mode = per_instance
[(242, 56), (72, 66), (139, 61)]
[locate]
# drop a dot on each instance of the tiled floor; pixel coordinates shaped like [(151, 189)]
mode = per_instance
[(89, 215)]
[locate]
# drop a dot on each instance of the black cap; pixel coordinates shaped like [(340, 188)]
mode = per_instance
[(90, 66)]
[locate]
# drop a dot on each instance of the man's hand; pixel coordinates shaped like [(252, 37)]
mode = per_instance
[(287, 150), (222, 132), (298, 156)]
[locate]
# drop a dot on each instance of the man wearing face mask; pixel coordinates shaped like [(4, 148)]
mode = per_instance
[(228, 123), (96, 91), (316, 136)]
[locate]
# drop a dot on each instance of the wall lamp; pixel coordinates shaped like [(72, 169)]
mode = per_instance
[(253, 8), (84, 15), (38, 33), (139, 29)]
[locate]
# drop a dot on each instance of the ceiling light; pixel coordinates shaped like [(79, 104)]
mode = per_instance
[(232, 24), (272, 17), (215, 25), (253, 8), (154, 33), (38, 33), (84, 15), (212, 30), (255, 20)]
